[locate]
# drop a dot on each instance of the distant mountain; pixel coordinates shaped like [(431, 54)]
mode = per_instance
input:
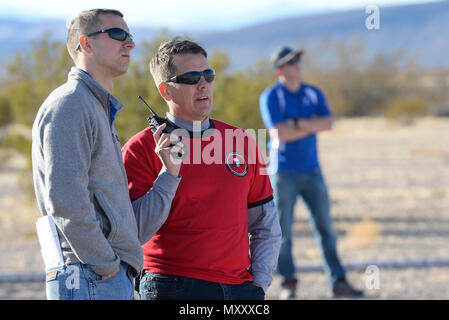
[(422, 30)]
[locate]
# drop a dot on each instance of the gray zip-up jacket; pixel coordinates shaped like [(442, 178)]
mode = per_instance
[(80, 180)]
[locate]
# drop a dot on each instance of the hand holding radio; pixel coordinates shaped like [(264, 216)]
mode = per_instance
[(169, 151), (169, 147)]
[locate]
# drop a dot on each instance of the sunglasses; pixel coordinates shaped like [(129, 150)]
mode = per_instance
[(193, 77), (293, 60), (114, 33)]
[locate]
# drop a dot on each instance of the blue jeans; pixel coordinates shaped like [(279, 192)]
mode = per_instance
[(80, 282), (155, 286), (312, 188)]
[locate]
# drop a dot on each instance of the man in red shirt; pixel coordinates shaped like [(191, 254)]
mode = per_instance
[(217, 234)]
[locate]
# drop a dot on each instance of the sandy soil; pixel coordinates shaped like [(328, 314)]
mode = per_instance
[(389, 185)]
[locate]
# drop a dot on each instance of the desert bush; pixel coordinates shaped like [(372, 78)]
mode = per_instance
[(6, 115), (406, 110), (16, 142)]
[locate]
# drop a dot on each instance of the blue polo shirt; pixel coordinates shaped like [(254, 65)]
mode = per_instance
[(279, 105)]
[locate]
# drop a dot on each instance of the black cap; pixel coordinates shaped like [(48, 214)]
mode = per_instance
[(283, 55)]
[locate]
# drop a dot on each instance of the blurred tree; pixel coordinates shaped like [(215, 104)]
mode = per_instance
[(236, 95), (354, 84), (33, 76), (406, 110), (219, 62), (6, 116)]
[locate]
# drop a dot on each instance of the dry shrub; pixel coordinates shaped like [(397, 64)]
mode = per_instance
[(406, 110)]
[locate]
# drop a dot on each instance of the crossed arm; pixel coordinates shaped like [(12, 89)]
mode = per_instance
[(290, 131)]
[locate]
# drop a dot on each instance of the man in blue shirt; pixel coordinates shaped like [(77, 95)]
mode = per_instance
[(294, 112)]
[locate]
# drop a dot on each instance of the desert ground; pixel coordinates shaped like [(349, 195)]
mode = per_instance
[(389, 185)]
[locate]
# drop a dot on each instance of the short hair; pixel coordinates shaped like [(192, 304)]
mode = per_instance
[(86, 22), (162, 67)]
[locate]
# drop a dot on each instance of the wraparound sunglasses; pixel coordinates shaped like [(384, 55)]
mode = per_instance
[(193, 77), (114, 33)]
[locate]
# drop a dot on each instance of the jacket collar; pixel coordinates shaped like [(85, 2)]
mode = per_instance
[(103, 95)]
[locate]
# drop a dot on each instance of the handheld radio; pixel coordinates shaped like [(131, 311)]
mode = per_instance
[(155, 121)]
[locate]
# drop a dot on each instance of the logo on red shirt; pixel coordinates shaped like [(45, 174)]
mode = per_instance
[(236, 163)]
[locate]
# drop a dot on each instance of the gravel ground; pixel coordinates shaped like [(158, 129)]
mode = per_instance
[(410, 283), (389, 186)]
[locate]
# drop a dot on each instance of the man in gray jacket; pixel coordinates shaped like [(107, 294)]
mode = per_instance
[(78, 171)]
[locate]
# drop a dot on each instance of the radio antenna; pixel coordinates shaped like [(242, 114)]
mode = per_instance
[(154, 114)]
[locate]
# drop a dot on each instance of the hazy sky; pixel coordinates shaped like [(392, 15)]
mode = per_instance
[(193, 14)]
